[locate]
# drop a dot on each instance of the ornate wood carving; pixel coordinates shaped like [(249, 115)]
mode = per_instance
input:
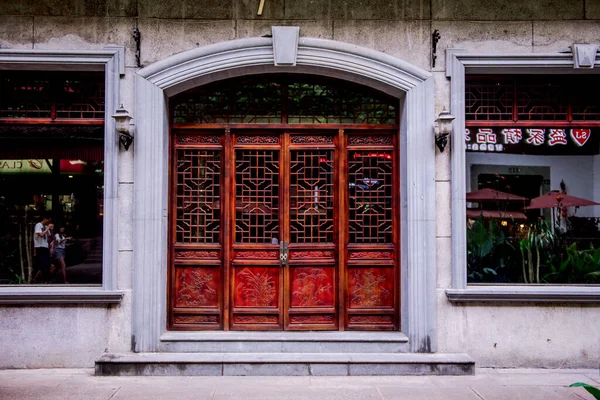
[(196, 254), (257, 139), (256, 319), (196, 319), (371, 319), (196, 288), (311, 319), (299, 255), (263, 255), (312, 287), (370, 140), (372, 254), (256, 287), (312, 139), (369, 288), (199, 139)]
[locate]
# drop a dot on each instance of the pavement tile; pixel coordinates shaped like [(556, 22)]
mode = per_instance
[(62, 393), (429, 393), (525, 393), (549, 379), (375, 381), (296, 393), (595, 377), (479, 379)]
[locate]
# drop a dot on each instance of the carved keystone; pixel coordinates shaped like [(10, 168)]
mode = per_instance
[(584, 55), (285, 44)]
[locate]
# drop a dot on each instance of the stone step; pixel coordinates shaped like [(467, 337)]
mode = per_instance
[(284, 342), (284, 364)]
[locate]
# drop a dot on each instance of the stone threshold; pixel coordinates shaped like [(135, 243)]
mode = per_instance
[(284, 364), (287, 336)]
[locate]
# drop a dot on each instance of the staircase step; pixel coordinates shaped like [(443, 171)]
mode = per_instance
[(288, 364), (286, 342)]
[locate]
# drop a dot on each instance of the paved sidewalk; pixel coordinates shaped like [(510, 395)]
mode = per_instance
[(488, 384)]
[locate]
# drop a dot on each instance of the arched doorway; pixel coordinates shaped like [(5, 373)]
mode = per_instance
[(284, 206)]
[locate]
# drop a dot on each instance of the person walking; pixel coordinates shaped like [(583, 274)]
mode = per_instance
[(41, 252), (60, 247)]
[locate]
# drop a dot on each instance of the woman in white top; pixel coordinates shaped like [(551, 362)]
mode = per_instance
[(60, 246)]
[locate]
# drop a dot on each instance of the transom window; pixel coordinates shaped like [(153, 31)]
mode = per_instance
[(284, 99)]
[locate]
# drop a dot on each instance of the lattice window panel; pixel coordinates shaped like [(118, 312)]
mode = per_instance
[(275, 98), (546, 102), (257, 196), (311, 196), (198, 196), (488, 101), (370, 196), (73, 95), (313, 103), (245, 102)]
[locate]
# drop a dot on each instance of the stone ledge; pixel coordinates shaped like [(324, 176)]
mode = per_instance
[(221, 336), (259, 364), (525, 294), (58, 295)]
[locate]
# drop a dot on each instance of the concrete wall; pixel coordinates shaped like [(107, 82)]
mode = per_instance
[(519, 336)]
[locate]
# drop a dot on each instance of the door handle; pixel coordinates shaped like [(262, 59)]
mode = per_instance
[(283, 254)]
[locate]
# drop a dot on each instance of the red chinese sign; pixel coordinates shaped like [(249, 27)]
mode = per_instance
[(558, 141)]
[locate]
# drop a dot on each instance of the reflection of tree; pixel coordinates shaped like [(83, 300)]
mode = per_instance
[(312, 282), (258, 289)]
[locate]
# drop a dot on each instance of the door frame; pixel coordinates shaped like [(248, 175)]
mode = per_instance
[(415, 92)]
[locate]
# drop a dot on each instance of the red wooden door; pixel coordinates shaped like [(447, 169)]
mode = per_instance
[(280, 230)]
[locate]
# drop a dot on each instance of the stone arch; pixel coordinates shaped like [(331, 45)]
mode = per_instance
[(414, 89)]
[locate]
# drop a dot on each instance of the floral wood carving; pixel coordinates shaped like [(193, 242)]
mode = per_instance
[(371, 319), (368, 289), (257, 139), (310, 139), (209, 139), (196, 288), (312, 282), (196, 319), (256, 319), (257, 254), (372, 254), (257, 289), (370, 140), (295, 255), (311, 319), (197, 254)]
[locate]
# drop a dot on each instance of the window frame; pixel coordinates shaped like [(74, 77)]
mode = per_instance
[(458, 65), (110, 60)]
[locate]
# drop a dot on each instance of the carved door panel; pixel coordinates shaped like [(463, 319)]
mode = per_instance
[(196, 273), (256, 277), (372, 245), (312, 274)]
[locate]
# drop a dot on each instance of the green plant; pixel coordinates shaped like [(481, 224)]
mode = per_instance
[(591, 389), (488, 250), (538, 237)]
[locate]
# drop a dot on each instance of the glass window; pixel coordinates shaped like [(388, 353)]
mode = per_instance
[(51, 177), (533, 205)]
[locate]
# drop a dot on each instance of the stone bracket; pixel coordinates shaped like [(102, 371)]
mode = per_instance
[(285, 45), (584, 55)]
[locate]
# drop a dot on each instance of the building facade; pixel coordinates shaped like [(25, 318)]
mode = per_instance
[(279, 183)]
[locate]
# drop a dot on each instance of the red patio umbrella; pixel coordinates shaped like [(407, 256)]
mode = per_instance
[(555, 199), (488, 194)]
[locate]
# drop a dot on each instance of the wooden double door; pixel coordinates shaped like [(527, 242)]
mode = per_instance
[(294, 230)]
